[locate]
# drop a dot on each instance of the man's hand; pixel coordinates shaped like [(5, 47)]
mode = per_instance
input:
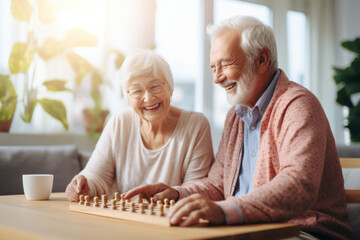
[(78, 186), (157, 191), (191, 209)]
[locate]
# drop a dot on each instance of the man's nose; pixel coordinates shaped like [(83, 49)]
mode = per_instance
[(218, 77)]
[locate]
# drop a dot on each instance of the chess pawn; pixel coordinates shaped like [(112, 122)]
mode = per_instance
[(104, 198), (141, 207), (113, 204), (82, 200), (158, 202), (104, 201), (172, 203), (151, 209), (161, 210), (132, 207), (117, 196), (87, 200), (96, 201), (152, 200), (122, 203), (166, 201)]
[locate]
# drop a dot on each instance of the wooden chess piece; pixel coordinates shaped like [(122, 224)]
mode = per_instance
[(82, 200), (87, 200), (96, 201)]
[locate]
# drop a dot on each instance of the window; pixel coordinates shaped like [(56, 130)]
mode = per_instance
[(177, 39), (296, 38)]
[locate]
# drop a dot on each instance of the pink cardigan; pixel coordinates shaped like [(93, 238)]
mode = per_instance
[(298, 176)]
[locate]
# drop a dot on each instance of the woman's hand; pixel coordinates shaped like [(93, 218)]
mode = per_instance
[(157, 191), (78, 186)]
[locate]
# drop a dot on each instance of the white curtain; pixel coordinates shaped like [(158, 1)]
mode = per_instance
[(322, 60)]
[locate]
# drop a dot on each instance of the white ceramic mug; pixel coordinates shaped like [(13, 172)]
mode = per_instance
[(37, 186)]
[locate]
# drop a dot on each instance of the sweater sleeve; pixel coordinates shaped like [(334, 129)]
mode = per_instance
[(100, 170), (202, 153)]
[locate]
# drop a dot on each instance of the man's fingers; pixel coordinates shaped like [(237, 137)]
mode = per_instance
[(182, 209), (180, 204), (193, 218)]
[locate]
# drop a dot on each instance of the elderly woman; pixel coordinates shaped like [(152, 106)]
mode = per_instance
[(151, 142)]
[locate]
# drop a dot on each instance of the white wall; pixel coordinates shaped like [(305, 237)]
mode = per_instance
[(347, 19)]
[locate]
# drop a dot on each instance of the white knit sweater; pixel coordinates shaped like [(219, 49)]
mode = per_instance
[(121, 162)]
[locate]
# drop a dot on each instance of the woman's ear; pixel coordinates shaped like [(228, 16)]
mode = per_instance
[(263, 59)]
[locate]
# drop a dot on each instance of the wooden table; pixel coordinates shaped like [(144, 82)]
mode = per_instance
[(23, 219)]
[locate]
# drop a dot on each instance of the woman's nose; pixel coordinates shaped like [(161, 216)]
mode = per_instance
[(148, 95)]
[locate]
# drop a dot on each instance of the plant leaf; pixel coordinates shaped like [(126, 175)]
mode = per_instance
[(50, 48), (20, 58), (8, 98), (119, 59), (78, 37), (56, 85), (47, 11), (352, 87), (56, 109), (80, 65), (29, 106), (343, 98), (21, 10), (355, 65), (353, 45)]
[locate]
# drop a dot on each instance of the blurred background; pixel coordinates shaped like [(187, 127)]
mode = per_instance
[(59, 59)]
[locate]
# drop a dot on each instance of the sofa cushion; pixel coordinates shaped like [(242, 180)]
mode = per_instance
[(60, 160), (349, 151)]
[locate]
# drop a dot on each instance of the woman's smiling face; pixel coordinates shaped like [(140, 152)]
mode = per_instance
[(149, 97)]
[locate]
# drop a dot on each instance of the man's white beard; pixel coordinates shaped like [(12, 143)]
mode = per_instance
[(238, 96)]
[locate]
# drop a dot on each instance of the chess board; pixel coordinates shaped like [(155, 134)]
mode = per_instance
[(133, 210)]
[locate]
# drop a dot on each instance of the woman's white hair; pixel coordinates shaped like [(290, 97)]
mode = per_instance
[(144, 63), (254, 36)]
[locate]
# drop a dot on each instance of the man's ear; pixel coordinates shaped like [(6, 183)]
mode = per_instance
[(263, 60)]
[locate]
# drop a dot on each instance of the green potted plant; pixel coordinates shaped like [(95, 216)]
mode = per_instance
[(95, 114), (348, 83), (26, 54)]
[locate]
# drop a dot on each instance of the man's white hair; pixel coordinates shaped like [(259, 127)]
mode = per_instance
[(254, 36)]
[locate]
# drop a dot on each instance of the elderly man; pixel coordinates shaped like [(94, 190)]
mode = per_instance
[(277, 159)]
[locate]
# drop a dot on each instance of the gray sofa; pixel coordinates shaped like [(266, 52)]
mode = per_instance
[(64, 161)]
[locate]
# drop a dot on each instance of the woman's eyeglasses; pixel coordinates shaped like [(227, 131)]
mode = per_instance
[(138, 93)]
